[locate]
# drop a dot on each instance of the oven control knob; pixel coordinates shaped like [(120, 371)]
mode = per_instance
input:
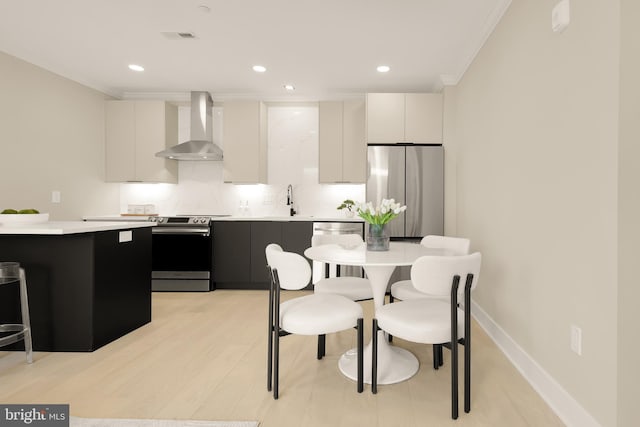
[(160, 219)]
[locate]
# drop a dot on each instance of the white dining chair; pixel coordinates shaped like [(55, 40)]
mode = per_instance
[(354, 288), (404, 289), (314, 314), (433, 320)]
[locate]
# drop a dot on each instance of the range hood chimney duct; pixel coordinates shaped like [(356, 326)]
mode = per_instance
[(200, 146)]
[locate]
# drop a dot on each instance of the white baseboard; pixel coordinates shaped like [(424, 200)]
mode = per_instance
[(561, 402)]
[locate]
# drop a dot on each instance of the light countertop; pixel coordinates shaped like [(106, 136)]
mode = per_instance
[(145, 218), (70, 227), (290, 218)]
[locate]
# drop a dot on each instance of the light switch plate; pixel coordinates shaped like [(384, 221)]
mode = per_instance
[(576, 340), (560, 16)]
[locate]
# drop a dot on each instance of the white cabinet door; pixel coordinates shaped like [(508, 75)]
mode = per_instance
[(354, 150), (245, 142), (400, 117), (135, 131), (120, 131), (343, 149), (156, 129), (423, 118), (385, 118), (330, 141)]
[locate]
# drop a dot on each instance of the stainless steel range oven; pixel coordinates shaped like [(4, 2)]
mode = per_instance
[(182, 254)]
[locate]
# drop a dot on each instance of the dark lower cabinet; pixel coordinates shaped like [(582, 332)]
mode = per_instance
[(85, 290), (239, 258), (262, 233), (231, 254)]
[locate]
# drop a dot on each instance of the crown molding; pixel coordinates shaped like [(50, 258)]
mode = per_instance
[(489, 26)]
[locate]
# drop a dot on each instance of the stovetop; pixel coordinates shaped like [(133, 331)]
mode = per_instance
[(186, 219)]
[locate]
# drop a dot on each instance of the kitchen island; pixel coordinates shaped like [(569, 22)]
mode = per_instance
[(88, 283)]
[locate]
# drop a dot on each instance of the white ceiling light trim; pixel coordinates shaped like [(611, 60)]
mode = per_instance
[(259, 68), (383, 68), (136, 67)]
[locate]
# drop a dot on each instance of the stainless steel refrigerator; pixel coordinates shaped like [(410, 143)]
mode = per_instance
[(412, 175)]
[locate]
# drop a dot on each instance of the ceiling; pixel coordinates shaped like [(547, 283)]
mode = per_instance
[(327, 49)]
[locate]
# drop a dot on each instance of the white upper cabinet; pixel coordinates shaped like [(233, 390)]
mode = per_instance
[(134, 132), (404, 117), (342, 144), (245, 142)]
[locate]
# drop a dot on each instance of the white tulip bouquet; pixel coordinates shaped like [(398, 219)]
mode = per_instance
[(382, 214)]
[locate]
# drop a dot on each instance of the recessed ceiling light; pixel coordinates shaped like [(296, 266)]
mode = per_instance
[(383, 68), (204, 8), (136, 67), (289, 87), (259, 69)]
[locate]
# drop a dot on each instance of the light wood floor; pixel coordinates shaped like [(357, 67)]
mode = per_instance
[(204, 355)]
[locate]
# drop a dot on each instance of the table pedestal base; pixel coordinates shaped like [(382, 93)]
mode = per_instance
[(395, 364)]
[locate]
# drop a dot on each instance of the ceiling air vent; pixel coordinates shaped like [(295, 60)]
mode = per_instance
[(176, 35)]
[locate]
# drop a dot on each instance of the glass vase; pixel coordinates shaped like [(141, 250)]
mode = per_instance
[(378, 238)]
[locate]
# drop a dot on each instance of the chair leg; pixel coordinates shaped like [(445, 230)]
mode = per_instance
[(391, 299), (454, 347), (276, 363), (440, 357), (467, 343), (374, 357), (436, 360), (270, 341), (26, 323), (276, 335), (360, 355), (321, 346), (270, 358), (467, 374)]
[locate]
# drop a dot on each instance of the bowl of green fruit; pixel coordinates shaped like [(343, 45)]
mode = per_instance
[(22, 216)]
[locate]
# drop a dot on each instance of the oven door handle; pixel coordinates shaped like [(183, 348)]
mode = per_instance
[(201, 231)]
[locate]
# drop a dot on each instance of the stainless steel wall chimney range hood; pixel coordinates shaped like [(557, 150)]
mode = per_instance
[(200, 146)]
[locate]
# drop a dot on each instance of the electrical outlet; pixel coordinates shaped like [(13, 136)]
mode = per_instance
[(55, 196), (576, 340)]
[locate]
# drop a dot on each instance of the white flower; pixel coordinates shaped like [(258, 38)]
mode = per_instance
[(385, 212)]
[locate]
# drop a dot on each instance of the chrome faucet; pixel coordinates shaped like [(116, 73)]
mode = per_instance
[(292, 211)]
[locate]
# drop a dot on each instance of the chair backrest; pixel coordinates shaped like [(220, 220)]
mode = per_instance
[(433, 275), (293, 269), (459, 245)]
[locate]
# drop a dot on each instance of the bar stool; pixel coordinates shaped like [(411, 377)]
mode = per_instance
[(11, 272)]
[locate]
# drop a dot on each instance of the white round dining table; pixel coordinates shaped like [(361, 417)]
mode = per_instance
[(395, 364)]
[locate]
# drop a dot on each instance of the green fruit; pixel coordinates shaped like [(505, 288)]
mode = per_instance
[(9, 211), (28, 211)]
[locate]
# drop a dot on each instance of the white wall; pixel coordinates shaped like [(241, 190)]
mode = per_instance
[(536, 174), (51, 138), (629, 213)]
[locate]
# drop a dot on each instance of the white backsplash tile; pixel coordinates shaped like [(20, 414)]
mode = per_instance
[(293, 159)]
